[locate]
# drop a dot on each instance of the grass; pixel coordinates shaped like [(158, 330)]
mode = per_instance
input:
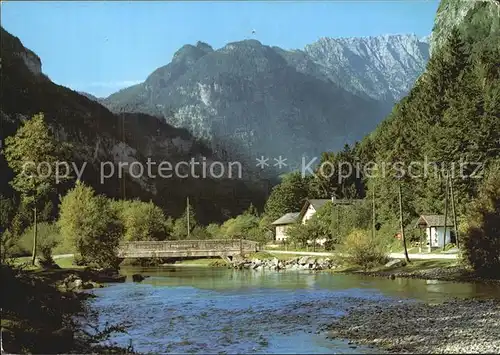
[(67, 263), (425, 249), (260, 255), (64, 263), (24, 261), (414, 265)]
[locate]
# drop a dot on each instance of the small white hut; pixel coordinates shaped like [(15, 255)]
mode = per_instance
[(434, 226)]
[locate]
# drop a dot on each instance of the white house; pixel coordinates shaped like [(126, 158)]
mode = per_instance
[(314, 205), (283, 223), (311, 206), (434, 226)]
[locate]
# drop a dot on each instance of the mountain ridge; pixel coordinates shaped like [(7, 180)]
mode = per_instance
[(263, 100)]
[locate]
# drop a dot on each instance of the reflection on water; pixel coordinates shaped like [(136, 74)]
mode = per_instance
[(200, 310), (228, 279)]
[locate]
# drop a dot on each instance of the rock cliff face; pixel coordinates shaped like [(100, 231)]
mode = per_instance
[(248, 99), (383, 67), (98, 136), (464, 14)]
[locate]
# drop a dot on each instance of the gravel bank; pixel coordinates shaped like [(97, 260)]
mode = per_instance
[(458, 326)]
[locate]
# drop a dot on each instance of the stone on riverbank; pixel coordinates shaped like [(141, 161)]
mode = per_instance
[(395, 263), (105, 275), (137, 278), (74, 282), (303, 263), (71, 282)]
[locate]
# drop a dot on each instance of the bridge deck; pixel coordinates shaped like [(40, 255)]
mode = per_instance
[(186, 248)]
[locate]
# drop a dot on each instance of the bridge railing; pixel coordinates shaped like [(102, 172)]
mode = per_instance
[(173, 245)]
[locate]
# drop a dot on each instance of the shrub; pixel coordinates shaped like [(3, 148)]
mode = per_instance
[(240, 226), (360, 249), (335, 222), (180, 226), (8, 246), (7, 211), (330, 245), (301, 234), (90, 223), (259, 234), (48, 239), (482, 231), (141, 220), (298, 233), (214, 230), (200, 232)]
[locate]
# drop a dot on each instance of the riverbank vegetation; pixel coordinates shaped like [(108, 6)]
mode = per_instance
[(39, 317)]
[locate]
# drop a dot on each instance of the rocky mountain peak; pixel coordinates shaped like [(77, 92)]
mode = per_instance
[(189, 54), (247, 44), (204, 47), (29, 58)]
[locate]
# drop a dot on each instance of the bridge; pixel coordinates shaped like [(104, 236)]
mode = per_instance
[(186, 248)]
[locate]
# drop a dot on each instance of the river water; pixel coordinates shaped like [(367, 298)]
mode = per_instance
[(218, 310)]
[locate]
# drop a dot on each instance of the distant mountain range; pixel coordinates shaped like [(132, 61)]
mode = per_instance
[(249, 99)]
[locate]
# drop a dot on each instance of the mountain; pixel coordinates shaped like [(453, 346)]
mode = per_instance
[(98, 136), (250, 99), (90, 96)]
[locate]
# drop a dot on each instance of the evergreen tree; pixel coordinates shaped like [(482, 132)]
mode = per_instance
[(482, 237)]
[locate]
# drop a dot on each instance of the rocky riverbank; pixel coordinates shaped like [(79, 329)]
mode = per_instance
[(84, 279), (275, 264), (457, 326), (427, 270)]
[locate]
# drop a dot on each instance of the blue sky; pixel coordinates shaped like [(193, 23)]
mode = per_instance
[(101, 47)]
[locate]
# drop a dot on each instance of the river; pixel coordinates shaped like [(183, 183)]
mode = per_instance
[(218, 310)]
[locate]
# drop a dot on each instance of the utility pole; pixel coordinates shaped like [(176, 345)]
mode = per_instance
[(445, 210), (401, 222), (33, 257), (454, 212), (338, 220), (187, 214), (122, 172), (373, 213)]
